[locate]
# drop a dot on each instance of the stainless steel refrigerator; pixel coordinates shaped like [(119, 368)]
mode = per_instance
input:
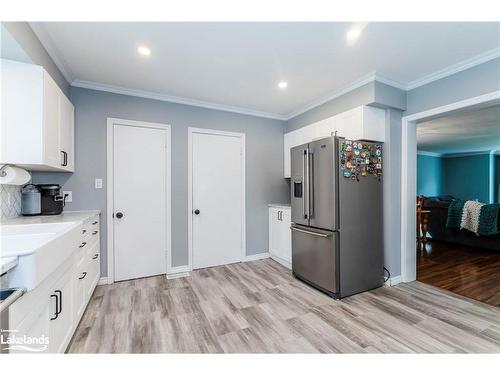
[(337, 223)]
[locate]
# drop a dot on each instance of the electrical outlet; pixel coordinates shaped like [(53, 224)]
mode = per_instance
[(98, 183), (68, 195)]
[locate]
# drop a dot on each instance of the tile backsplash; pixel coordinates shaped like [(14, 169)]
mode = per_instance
[(10, 201)]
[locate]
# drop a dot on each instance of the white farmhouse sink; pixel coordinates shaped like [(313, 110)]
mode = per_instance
[(40, 249), (45, 228)]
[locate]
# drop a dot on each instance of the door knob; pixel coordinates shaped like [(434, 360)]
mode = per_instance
[(119, 215), (196, 212)]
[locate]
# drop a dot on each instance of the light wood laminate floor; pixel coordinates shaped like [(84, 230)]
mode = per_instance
[(260, 307)]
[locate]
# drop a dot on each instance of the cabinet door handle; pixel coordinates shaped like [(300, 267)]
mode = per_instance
[(60, 300), (83, 244), (57, 306), (83, 276), (95, 256), (65, 158), (95, 232), (84, 231), (95, 222)]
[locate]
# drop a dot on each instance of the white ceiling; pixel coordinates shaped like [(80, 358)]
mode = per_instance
[(238, 65), (464, 132)]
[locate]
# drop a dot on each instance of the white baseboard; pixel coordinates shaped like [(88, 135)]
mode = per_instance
[(283, 262), (393, 281), (180, 271), (103, 281), (250, 258)]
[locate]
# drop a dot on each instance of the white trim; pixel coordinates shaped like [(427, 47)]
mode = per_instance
[(191, 131), (174, 99), (103, 281), (177, 275), (283, 262), (463, 154), (408, 175), (393, 281), (455, 68), (251, 258), (109, 186), (428, 153), (179, 271), (52, 50)]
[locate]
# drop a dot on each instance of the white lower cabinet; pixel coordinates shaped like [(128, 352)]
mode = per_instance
[(280, 236), (61, 312), (54, 308)]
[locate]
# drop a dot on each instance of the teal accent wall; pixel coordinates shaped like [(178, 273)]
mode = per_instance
[(468, 177), (429, 175), (496, 187)]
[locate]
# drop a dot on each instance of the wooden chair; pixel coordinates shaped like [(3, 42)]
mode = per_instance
[(422, 220)]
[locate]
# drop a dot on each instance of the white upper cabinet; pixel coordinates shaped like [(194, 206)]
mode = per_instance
[(360, 123), (37, 128)]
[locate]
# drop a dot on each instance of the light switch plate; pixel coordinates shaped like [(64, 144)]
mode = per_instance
[(69, 197), (98, 183)]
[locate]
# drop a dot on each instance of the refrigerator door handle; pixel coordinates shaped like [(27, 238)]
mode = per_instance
[(309, 232), (306, 184), (310, 184)]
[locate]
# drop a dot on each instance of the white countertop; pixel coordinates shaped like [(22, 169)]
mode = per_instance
[(7, 264), (65, 217), (285, 206)]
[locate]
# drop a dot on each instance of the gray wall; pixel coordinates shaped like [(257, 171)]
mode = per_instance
[(392, 192), (264, 161), (479, 80), (29, 42)]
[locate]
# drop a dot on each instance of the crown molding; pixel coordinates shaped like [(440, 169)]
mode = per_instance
[(469, 153), (173, 99), (455, 68), (428, 153), (53, 52), (51, 49), (337, 93)]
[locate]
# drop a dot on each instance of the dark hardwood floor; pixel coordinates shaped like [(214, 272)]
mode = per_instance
[(468, 271)]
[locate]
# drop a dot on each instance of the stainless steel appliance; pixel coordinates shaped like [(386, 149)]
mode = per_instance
[(337, 223), (7, 297), (30, 200)]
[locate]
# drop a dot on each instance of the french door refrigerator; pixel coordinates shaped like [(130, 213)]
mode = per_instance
[(337, 223)]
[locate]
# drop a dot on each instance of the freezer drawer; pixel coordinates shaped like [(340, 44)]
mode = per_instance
[(315, 257)]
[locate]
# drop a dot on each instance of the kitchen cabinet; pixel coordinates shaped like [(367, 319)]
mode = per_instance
[(61, 313), (37, 127), (54, 308), (360, 123), (280, 236)]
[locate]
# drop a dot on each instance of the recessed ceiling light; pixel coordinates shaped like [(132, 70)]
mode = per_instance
[(354, 32), (282, 85), (143, 50), (353, 35)]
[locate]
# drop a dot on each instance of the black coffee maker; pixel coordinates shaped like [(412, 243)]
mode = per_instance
[(52, 201)]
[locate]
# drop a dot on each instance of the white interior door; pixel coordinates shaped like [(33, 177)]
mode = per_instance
[(217, 199), (139, 184)]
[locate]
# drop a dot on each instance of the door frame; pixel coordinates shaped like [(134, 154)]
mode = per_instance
[(191, 131), (111, 121), (409, 173)]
